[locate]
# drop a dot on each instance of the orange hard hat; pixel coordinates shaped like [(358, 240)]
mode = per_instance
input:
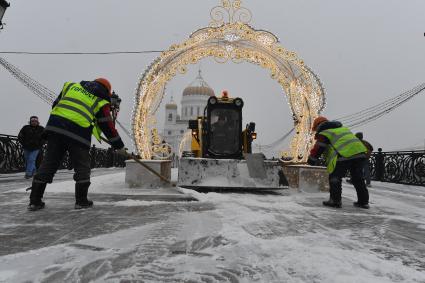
[(319, 120), (225, 93), (105, 83)]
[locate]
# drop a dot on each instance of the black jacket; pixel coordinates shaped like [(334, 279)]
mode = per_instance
[(31, 137)]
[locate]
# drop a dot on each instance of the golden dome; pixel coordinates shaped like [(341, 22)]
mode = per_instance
[(171, 104), (199, 87)]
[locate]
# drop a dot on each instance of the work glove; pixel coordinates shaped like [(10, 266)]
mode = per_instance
[(122, 152), (312, 161)]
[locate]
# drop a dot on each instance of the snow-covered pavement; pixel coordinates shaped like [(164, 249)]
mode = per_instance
[(219, 238)]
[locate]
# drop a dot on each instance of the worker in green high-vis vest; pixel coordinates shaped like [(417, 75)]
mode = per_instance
[(80, 111), (342, 151)]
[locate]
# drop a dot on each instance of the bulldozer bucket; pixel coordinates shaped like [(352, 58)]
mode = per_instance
[(254, 173)]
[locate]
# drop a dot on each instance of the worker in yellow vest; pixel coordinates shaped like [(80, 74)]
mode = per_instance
[(342, 151), (81, 109)]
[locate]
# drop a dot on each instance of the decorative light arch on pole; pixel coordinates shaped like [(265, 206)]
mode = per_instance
[(230, 38)]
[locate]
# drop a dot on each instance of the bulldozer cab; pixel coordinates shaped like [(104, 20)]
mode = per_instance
[(219, 134), (223, 139)]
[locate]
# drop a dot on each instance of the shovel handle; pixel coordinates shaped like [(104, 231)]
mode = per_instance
[(132, 156), (291, 162), (150, 169)]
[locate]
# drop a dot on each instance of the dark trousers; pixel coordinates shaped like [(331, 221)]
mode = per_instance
[(356, 170), (366, 171), (57, 146)]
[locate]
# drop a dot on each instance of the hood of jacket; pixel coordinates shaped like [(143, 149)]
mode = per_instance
[(329, 125), (97, 89)]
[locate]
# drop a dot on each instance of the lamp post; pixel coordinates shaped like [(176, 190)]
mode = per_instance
[(3, 7)]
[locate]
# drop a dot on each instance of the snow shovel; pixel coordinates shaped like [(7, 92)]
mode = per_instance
[(283, 162), (137, 160), (132, 156)]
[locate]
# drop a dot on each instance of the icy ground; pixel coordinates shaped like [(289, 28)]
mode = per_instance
[(162, 236)]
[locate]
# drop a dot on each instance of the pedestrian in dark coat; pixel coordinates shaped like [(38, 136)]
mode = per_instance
[(30, 137)]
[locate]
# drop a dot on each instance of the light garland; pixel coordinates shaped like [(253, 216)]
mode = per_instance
[(237, 42), (185, 143)]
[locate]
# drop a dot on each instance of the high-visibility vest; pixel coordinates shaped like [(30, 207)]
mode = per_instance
[(343, 145), (79, 106)]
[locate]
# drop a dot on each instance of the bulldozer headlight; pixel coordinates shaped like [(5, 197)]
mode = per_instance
[(212, 100), (238, 102)]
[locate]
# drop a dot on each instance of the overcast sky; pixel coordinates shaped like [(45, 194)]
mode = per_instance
[(364, 51)]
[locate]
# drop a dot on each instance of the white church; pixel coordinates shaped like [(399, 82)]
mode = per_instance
[(193, 102)]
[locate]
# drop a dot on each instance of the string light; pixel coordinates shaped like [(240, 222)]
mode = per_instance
[(235, 41)]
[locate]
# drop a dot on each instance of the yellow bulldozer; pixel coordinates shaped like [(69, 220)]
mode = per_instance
[(221, 155)]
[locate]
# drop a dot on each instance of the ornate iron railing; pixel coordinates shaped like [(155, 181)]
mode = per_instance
[(402, 167), (12, 156)]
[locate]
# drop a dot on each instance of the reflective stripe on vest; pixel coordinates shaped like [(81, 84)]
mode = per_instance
[(78, 105), (343, 144), (68, 134)]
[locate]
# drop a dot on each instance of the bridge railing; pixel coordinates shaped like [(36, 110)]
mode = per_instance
[(402, 167), (12, 156)]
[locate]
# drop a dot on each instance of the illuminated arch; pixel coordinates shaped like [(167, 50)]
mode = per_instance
[(232, 41)]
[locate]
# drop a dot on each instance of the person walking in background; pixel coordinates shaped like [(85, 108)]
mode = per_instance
[(30, 137), (366, 168), (81, 109), (342, 151)]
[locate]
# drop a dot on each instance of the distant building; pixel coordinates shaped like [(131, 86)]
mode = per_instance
[(194, 100)]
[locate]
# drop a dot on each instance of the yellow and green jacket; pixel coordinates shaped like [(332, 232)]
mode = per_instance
[(82, 110), (336, 143)]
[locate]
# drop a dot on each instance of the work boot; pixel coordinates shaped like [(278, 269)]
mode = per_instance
[(361, 205), (37, 192), (332, 203), (81, 201)]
